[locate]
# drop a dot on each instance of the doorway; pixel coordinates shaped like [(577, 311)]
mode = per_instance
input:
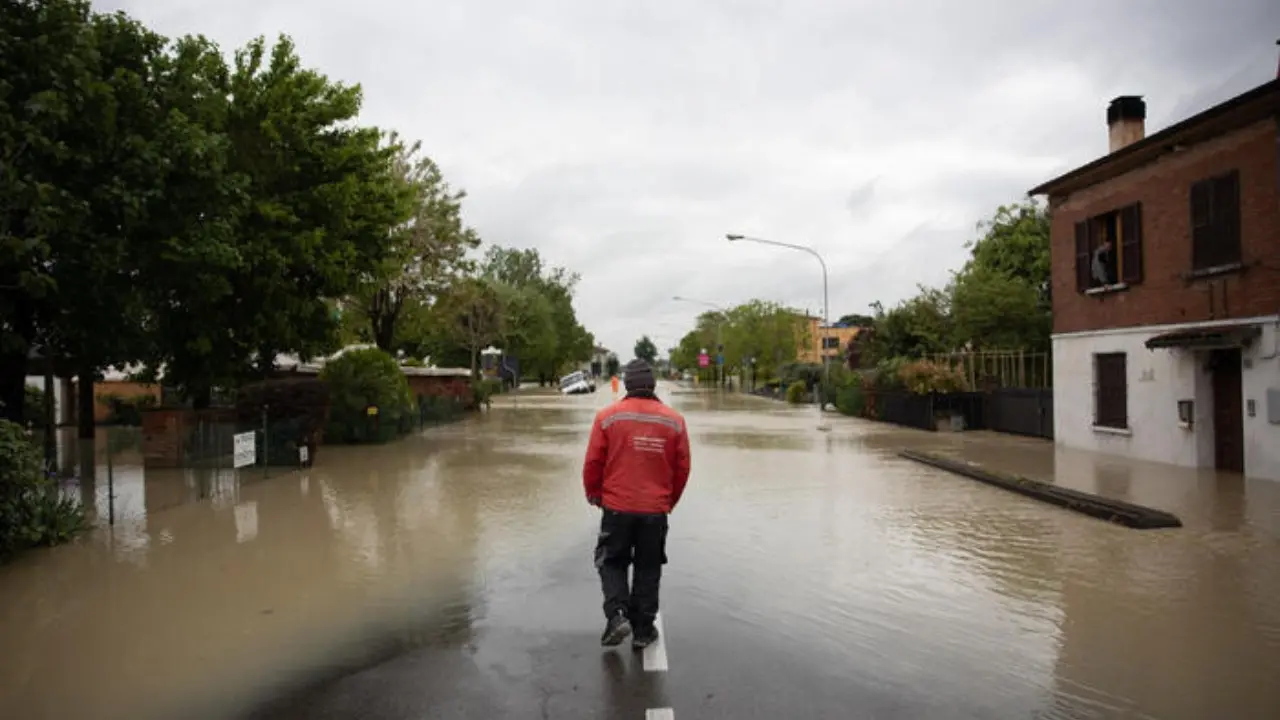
[(1228, 410)]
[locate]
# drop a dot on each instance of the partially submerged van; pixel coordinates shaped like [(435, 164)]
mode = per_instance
[(576, 383)]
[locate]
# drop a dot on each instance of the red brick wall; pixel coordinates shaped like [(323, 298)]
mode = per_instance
[(459, 387), (1163, 188), (164, 432)]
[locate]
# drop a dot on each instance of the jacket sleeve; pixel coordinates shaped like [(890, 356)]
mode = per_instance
[(593, 466), (680, 473)]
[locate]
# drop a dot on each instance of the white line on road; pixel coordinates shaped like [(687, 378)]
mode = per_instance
[(659, 714), (655, 656)]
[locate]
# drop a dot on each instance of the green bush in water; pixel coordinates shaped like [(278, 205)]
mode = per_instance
[(851, 400), (797, 392), (32, 511), (483, 390), (359, 380)]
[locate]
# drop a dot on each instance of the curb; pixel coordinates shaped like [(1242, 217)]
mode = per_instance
[(1133, 516)]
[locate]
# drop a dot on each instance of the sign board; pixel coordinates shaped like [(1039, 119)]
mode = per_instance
[(246, 449), (720, 359), (302, 454), (703, 360), (372, 410)]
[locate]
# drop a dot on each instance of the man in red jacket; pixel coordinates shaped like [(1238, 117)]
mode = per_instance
[(635, 472)]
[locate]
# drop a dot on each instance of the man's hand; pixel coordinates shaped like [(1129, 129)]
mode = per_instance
[(593, 500)]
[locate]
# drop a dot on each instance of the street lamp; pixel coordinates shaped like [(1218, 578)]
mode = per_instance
[(719, 337), (822, 343)]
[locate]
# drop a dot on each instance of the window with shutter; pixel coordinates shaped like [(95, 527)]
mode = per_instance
[(1131, 244), (1082, 256), (1215, 222), (1110, 391), (1109, 250)]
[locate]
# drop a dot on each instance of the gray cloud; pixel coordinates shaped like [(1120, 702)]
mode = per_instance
[(624, 139)]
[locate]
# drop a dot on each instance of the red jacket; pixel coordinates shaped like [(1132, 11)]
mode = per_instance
[(638, 457)]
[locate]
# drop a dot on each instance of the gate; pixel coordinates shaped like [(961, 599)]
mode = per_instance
[(1021, 411)]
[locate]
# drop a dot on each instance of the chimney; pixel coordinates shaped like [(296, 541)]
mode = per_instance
[(1125, 121)]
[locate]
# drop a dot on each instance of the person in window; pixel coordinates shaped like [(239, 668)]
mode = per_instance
[(1102, 264)]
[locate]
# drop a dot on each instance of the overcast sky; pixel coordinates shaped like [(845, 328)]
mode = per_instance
[(623, 139)]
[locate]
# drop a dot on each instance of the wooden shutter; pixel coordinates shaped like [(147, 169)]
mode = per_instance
[(1226, 218), (1131, 244), (1111, 390), (1082, 256), (1202, 225)]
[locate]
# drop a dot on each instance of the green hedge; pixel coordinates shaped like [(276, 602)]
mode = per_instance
[(364, 379)]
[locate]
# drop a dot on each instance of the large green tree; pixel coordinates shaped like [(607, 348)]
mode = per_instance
[(427, 248), (553, 341), (83, 122), (315, 199), (756, 333), (646, 350), (1000, 298), (469, 315)]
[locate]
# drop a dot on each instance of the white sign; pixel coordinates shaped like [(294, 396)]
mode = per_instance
[(302, 454), (246, 449)]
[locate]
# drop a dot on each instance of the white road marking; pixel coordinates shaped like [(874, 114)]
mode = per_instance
[(655, 656), (659, 714)]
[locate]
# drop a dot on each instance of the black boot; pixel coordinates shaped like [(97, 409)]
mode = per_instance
[(616, 630), (645, 636)]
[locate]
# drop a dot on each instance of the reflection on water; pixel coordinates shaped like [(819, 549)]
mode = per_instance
[(212, 592)]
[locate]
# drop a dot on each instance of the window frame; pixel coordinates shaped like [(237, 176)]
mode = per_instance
[(1111, 404), (1125, 224)]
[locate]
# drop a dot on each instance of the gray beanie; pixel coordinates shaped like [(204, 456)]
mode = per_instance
[(639, 376)]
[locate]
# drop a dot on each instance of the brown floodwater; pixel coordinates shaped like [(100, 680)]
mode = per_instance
[(213, 593)]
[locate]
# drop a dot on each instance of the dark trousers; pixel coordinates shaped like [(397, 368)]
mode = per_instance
[(628, 539)]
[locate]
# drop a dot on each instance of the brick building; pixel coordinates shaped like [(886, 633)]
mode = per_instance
[(1166, 289)]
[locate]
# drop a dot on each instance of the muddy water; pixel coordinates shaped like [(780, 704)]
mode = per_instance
[(895, 576)]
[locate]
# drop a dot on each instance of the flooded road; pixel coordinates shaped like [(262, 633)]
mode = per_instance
[(812, 575)]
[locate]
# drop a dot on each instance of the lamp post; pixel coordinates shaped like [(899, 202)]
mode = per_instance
[(719, 337), (822, 343)]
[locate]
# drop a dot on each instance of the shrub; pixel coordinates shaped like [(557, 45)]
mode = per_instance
[(33, 407), (361, 379), (923, 376), (296, 412), (809, 373), (32, 511), (797, 392), (483, 390), (887, 375), (851, 399)]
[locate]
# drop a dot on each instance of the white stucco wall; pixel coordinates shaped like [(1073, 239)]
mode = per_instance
[(1157, 380)]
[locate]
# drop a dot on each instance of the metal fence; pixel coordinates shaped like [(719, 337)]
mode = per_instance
[(990, 369), (1020, 411)]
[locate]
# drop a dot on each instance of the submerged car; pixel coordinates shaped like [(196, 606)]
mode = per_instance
[(577, 383)]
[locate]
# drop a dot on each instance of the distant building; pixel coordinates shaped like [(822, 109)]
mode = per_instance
[(825, 344), (1166, 289), (600, 360)]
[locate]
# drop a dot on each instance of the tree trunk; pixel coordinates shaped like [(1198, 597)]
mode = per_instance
[(85, 393), (13, 363), (13, 381), (50, 422)]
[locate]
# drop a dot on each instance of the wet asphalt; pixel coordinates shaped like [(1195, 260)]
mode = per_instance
[(812, 575)]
